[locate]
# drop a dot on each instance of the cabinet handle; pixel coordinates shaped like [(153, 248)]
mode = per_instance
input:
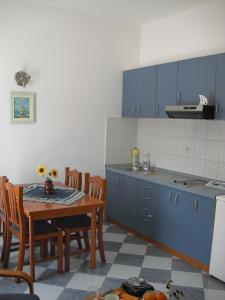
[(176, 199), (122, 182), (139, 109), (217, 108), (157, 109), (149, 216), (134, 108), (178, 96), (196, 205), (170, 197)]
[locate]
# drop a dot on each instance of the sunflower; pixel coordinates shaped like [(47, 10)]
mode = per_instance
[(41, 170), (53, 173)]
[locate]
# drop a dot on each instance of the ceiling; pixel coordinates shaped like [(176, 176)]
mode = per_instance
[(129, 11)]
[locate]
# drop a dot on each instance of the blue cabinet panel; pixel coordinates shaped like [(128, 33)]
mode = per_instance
[(129, 186), (220, 88), (146, 209), (114, 196), (130, 93), (139, 89), (202, 228), (166, 87), (121, 198), (165, 215), (182, 203), (147, 92), (197, 76)]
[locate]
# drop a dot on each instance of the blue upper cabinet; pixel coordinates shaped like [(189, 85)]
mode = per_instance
[(166, 93), (130, 93), (139, 90), (220, 88), (197, 77)]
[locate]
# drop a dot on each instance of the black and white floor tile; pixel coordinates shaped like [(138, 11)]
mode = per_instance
[(126, 256)]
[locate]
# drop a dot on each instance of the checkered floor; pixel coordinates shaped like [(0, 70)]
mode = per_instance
[(126, 256)]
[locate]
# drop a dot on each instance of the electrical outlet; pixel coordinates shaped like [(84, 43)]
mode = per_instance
[(187, 149)]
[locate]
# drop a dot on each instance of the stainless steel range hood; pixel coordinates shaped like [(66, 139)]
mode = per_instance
[(190, 111)]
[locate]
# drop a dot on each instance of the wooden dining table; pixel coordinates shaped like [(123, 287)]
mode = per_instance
[(36, 211)]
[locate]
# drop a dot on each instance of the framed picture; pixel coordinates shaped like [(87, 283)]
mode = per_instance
[(22, 107)]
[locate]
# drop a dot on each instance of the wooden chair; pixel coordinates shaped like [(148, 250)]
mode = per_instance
[(96, 187), (3, 215), (23, 276), (19, 227)]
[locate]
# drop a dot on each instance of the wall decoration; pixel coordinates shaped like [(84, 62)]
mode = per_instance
[(22, 78), (22, 107)]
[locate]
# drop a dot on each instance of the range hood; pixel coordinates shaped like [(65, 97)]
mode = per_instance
[(190, 111)]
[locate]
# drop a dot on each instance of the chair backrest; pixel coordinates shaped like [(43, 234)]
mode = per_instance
[(73, 178), (3, 180), (95, 186), (15, 206)]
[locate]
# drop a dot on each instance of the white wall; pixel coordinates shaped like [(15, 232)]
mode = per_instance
[(195, 32), (121, 138), (76, 63)]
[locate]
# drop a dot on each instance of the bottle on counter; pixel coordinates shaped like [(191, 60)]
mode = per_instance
[(146, 162), (135, 158)]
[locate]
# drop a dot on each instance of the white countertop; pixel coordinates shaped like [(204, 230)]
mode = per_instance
[(221, 197)]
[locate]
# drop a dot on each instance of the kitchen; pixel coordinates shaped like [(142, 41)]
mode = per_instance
[(65, 49)]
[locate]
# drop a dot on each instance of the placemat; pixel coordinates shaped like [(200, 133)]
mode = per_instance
[(61, 195)]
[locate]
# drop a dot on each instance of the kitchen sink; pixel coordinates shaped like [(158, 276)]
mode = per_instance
[(191, 182)]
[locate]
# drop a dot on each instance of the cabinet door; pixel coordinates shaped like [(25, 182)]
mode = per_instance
[(183, 219), (146, 92), (130, 93), (129, 187), (220, 88), (146, 208), (197, 77), (114, 196), (165, 215), (202, 228), (166, 87)]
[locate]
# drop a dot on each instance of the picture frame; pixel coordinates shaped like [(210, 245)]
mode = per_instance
[(22, 107)]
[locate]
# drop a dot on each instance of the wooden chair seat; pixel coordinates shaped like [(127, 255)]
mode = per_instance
[(72, 222), (40, 228)]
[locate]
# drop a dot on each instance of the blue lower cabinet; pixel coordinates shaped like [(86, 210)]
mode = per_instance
[(121, 198), (129, 192), (164, 215), (182, 204), (114, 196), (146, 209), (202, 228)]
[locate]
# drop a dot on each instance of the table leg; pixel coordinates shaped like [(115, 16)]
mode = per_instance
[(93, 239), (31, 248)]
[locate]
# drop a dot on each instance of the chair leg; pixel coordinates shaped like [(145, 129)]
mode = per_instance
[(101, 244), (67, 252), (21, 255), (60, 252), (86, 240), (52, 248), (7, 250), (79, 240), (4, 230)]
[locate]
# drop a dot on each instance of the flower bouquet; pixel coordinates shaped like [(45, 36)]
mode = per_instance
[(48, 184)]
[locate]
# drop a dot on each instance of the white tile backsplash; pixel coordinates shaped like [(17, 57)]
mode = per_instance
[(190, 146)]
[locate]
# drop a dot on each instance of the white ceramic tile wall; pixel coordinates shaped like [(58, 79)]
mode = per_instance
[(191, 146), (121, 137)]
